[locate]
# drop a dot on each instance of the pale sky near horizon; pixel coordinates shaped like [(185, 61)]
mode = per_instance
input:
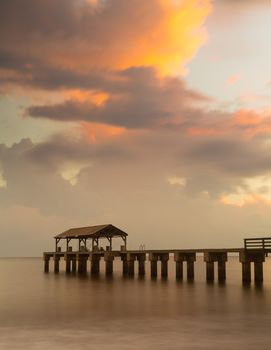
[(150, 115)]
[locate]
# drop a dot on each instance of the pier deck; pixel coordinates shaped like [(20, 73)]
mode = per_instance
[(77, 261)]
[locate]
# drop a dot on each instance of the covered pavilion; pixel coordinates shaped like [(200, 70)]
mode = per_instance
[(93, 233)]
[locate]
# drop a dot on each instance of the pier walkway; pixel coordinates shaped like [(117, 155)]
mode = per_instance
[(255, 251)]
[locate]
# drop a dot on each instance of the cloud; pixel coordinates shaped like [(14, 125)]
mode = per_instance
[(252, 191), (234, 156), (108, 34), (142, 99)]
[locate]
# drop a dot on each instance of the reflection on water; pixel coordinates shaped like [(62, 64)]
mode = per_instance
[(39, 311)]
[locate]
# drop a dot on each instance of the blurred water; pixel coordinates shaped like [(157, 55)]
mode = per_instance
[(47, 311)]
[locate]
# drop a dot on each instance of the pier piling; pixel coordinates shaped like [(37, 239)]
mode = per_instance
[(46, 264), (109, 258), (247, 257), (74, 264), (189, 258), (210, 257), (56, 263), (82, 263), (95, 264), (141, 264), (68, 265)]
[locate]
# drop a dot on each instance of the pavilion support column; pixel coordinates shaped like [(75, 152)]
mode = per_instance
[(56, 263), (109, 258), (95, 264), (141, 264), (153, 259), (164, 265)]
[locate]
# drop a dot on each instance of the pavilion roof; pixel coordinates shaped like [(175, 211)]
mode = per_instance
[(98, 231)]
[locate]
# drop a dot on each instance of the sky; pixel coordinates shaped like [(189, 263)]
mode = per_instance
[(150, 115)]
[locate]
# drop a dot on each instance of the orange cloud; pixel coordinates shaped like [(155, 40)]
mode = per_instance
[(174, 39), (94, 132), (105, 34), (197, 131), (255, 191), (252, 123)]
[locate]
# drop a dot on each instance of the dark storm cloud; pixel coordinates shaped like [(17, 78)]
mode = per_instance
[(61, 148), (231, 156), (33, 73), (140, 99)]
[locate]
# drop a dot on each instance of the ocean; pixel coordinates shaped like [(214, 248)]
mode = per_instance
[(48, 311)]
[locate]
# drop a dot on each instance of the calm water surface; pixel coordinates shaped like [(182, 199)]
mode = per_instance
[(39, 311)]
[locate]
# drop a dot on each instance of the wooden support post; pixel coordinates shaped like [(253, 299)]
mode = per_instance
[(56, 243), (79, 244), (221, 270), (258, 272), (190, 270), (179, 270), (246, 272), (210, 271)]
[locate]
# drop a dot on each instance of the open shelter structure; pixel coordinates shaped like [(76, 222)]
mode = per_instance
[(93, 233)]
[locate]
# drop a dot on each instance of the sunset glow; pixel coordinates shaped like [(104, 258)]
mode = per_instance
[(118, 110)]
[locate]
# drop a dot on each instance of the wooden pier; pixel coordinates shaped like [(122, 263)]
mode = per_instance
[(254, 251)]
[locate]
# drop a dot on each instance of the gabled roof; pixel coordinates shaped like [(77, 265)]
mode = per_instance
[(93, 232)]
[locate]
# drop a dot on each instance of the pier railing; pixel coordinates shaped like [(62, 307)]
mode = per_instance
[(258, 243)]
